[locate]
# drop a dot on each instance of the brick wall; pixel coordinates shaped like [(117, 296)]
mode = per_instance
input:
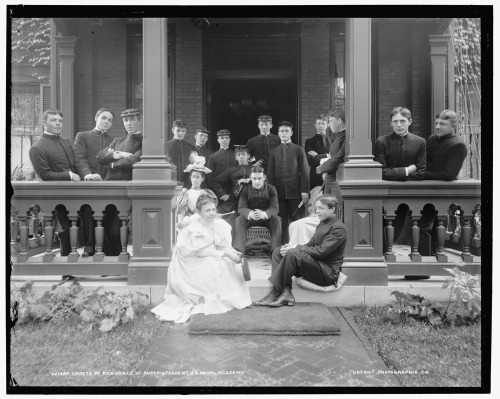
[(188, 77), (403, 76), (315, 77), (101, 72)]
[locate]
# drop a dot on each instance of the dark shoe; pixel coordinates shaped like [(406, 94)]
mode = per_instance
[(68, 277), (286, 298), (417, 277), (86, 254), (271, 297)]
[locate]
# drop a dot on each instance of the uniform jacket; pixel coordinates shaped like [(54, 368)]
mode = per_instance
[(232, 175), (316, 143), (178, 152), (86, 146), (53, 158), (327, 245), (396, 153), (260, 146), (445, 157), (288, 171), (121, 169), (218, 163), (265, 199)]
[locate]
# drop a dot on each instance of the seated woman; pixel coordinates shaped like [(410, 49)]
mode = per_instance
[(203, 276), (186, 203)]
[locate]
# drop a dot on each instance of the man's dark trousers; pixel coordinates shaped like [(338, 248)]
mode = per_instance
[(242, 224), (296, 263)]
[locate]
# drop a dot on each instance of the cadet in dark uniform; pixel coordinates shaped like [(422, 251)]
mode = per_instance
[(125, 151), (317, 147), (53, 159), (289, 174), (178, 151), (201, 138), (121, 155), (261, 145), (86, 146), (221, 160), (238, 176)]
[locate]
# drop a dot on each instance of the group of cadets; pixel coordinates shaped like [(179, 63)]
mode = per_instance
[(268, 181)]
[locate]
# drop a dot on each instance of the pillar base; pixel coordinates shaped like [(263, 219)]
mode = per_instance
[(22, 258), (48, 257), (416, 258), (467, 258), (73, 257), (153, 168), (359, 169), (365, 273), (147, 273), (124, 257), (390, 258), (442, 258), (99, 257)]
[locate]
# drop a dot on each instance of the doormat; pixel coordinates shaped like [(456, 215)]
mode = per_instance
[(305, 318)]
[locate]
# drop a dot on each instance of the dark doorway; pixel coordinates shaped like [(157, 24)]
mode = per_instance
[(235, 104)]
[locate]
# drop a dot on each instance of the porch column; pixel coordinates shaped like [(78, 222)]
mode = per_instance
[(66, 54), (154, 165), (153, 186), (359, 163), (360, 177), (439, 59)]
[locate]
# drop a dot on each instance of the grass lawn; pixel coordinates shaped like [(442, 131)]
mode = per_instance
[(40, 349), (452, 357)]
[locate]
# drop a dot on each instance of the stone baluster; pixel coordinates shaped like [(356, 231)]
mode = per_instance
[(415, 239), (124, 255), (441, 234), (49, 237), (73, 238), (14, 229), (99, 239), (24, 235), (389, 237), (466, 239), (35, 240)]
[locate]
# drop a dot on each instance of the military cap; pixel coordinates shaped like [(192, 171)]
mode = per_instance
[(179, 123), (265, 118), (223, 132), (241, 148), (203, 130), (131, 112), (285, 123)]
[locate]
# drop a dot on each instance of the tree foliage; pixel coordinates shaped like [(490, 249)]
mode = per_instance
[(31, 42)]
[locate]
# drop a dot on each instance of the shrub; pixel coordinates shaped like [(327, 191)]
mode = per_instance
[(90, 308)]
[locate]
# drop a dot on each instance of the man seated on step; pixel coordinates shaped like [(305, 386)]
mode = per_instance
[(319, 261), (257, 206)]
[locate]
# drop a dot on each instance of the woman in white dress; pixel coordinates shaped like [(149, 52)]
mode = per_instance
[(203, 276), (186, 203)]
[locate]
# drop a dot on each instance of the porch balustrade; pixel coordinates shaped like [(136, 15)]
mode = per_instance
[(32, 212), (369, 211)]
